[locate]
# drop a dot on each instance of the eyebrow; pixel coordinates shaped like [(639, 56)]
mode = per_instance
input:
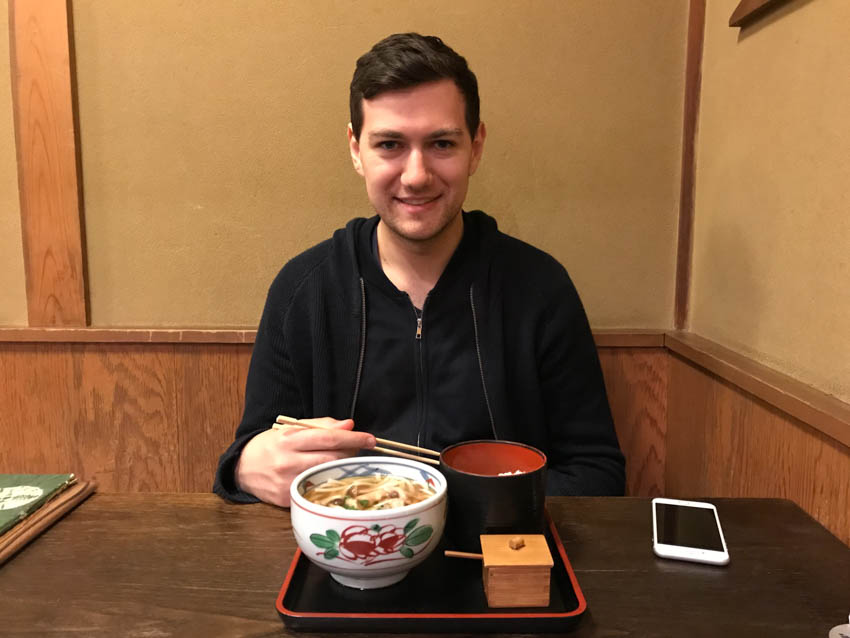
[(389, 134), (446, 132)]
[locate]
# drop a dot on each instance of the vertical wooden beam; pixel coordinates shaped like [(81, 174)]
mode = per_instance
[(48, 175), (693, 79)]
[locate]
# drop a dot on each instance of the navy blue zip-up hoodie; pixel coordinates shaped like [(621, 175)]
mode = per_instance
[(503, 350)]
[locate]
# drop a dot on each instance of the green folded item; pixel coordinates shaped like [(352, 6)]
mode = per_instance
[(22, 494)]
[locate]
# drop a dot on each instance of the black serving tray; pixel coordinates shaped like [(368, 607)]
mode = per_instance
[(440, 595)]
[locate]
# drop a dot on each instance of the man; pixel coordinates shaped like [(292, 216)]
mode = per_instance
[(424, 324)]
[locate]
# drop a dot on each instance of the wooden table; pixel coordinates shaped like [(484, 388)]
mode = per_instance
[(161, 565)]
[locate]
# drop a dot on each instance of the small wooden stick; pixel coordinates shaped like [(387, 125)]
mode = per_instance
[(453, 554)]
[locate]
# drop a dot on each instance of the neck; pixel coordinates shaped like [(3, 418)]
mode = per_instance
[(415, 267)]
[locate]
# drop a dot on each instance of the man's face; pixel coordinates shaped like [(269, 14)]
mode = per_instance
[(416, 156)]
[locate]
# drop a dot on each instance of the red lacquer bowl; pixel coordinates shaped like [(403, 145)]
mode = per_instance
[(486, 494)]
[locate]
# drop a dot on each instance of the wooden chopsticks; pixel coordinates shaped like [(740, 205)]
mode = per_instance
[(287, 420)]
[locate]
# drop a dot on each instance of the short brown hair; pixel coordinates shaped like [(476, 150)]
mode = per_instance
[(404, 60)]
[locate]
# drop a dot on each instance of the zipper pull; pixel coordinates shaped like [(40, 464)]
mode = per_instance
[(419, 327)]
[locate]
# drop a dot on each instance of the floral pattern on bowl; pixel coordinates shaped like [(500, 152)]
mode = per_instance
[(375, 544)]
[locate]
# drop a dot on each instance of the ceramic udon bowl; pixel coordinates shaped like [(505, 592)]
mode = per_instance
[(368, 549), (487, 496)]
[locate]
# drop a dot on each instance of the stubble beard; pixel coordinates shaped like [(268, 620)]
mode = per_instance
[(420, 239)]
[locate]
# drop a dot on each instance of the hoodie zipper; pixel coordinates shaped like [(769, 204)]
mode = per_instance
[(421, 390), (421, 371)]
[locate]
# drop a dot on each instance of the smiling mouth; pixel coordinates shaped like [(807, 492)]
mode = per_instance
[(417, 201)]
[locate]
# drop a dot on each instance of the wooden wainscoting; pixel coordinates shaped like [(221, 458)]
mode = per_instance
[(724, 441), (636, 380), (142, 415), (143, 410), (135, 417)]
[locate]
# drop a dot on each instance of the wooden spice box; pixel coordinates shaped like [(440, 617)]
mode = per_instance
[(518, 575)]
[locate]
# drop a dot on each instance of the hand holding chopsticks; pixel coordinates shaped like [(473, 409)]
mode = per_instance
[(388, 444)]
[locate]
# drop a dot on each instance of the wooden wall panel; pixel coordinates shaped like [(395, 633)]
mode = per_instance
[(126, 432), (636, 380), (722, 441), (814, 407), (37, 408), (211, 381), (48, 171), (155, 417), (104, 412)]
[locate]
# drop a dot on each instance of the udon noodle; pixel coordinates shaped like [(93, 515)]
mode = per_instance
[(377, 492)]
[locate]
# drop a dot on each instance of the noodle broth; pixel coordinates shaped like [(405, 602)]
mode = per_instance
[(376, 492)]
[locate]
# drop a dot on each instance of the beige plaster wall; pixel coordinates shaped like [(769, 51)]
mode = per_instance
[(213, 143), (771, 274), (13, 295)]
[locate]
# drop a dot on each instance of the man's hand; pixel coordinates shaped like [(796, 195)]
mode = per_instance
[(272, 459)]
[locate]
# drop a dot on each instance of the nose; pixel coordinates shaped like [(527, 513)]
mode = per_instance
[(416, 174)]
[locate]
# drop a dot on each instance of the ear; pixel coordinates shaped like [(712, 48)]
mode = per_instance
[(354, 148), (477, 147)]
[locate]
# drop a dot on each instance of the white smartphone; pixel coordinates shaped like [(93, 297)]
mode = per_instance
[(688, 530)]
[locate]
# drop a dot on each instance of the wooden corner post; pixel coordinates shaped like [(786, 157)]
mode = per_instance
[(48, 170), (693, 80)]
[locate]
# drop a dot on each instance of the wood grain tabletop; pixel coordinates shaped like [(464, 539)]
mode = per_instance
[(158, 565)]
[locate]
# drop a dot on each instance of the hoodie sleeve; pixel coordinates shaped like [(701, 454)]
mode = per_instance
[(584, 454), (271, 389)]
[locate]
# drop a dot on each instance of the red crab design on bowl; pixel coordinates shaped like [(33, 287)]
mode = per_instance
[(376, 544)]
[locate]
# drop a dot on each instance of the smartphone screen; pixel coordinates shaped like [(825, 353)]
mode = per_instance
[(687, 526)]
